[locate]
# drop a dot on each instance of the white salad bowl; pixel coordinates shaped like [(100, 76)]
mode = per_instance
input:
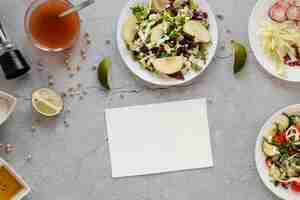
[(26, 189), (260, 157), (258, 16), (7, 106), (149, 77)]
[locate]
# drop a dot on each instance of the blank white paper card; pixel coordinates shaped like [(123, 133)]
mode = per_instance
[(159, 138)]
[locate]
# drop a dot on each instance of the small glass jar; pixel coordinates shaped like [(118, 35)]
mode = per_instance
[(46, 30)]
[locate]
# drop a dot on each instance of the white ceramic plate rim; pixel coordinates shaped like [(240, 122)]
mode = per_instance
[(260, 11), (149, 77), (260, 157), (26, 189), (12, 105)]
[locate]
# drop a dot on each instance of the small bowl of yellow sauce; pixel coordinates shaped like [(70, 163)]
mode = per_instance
[(12, 186)]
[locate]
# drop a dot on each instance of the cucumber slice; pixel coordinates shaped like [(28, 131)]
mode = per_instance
[(196, 29), (295, 167), (274, 172), (269, 149), (270, 132), (129, 29), (283, 122), (168, 65), (158, 32)]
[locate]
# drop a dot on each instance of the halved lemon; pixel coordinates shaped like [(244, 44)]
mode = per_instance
[(47, 102)]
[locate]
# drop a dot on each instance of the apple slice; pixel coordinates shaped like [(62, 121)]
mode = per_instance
[(159, 5), (129, 29), (158, 32), (196, 29), (168, 65)]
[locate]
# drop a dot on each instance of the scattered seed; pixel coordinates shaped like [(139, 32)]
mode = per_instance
[(71, 75), (67, 61), (28, 157), (50, 76), (107, 41), (66, 124), (68, 111), (210, 100), (88, 42), (63, 95), (86, 35), (228, 31), (121, 96), (94, 68), (82, 52), (51, 83), (39, 63), (85, 93), (81, 97), (40, 68), (220, 17)]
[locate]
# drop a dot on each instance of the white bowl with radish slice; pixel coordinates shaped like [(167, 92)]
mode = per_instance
[(263, 167), (270, 22)]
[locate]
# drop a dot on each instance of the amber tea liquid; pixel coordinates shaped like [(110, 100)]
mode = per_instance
[(49, 31)]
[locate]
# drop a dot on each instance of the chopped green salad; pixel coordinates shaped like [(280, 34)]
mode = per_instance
[(168, 38), (281, 146)]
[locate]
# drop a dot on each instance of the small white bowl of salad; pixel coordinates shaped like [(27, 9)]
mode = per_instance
[(167, 42), (277, 153), (274, 34)]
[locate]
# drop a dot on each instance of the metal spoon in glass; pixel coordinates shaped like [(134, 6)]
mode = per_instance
[(76, 8)]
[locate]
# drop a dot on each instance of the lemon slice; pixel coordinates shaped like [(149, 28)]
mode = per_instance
[(103, 73), (240, 56), (47, 102)]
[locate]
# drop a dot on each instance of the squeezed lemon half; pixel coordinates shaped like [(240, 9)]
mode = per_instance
[(47, 102)]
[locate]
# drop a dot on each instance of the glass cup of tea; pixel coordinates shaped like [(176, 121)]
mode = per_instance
[(46, 30)]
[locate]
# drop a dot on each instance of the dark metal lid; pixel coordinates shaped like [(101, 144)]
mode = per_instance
[(13, 64)]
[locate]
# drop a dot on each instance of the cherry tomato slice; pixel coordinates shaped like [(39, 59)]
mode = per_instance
[(295, 186), (298, 126), (269, 162), (280, 138)]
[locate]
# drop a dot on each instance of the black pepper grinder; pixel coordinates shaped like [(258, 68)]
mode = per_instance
[(12, 61)]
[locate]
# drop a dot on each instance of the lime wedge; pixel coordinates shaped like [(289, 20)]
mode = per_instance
[(240, 56), (47, 102), (103, 72)]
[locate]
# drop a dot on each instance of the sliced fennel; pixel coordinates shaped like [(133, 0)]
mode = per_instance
[(279, 40)]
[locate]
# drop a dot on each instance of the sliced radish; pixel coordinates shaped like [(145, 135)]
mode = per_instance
[(284, 3), (294, 2), (293, 13), (278, 11)]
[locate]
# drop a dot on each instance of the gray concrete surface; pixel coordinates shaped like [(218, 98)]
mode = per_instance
[(72, 163)]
